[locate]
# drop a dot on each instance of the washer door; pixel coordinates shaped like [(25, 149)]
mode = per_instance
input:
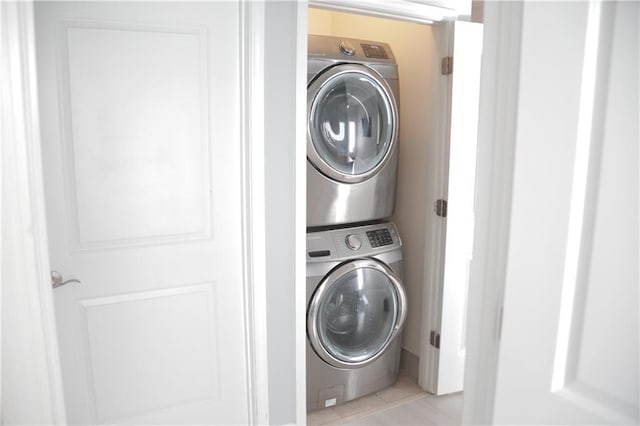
[(352, 122), (355, 313)]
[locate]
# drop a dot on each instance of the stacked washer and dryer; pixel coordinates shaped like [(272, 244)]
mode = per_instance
[(356, 304)]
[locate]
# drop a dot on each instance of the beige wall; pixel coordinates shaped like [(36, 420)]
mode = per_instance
[(413, 47), (320, 22)]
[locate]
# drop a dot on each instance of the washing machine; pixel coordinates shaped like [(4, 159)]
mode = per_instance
[(356, 308), (352, 132)]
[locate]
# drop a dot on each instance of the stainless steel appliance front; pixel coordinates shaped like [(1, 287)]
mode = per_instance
[(356, 309), (352, 132)]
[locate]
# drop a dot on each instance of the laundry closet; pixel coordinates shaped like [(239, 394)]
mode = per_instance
[(423, 53)]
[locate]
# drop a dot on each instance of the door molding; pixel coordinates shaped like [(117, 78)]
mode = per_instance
[(29, 329), (300, 214), (252, 24), (254, 20), (495, 164)]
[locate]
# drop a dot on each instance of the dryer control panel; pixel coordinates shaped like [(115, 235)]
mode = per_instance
[(342, 48), (374, 51)]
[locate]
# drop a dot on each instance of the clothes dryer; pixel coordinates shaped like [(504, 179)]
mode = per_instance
[(356, 308), (352, 132)]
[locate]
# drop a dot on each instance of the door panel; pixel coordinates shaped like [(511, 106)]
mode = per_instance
[(160, 380), (569, 343), (141, 148), (136, 110), (465, 92)]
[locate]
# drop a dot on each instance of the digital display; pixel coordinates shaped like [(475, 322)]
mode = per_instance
[(374, 51), (379, 237)]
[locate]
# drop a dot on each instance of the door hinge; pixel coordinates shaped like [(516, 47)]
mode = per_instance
[(441, 208), (447, 65), (434, 339)]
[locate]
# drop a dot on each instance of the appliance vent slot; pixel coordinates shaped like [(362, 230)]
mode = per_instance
[(319, 253)]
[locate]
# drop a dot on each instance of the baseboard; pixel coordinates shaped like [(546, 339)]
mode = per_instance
[(409, 363)]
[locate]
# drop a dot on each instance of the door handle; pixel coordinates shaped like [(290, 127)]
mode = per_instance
[(56, 280)]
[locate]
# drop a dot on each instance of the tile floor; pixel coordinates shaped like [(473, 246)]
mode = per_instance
[(404, 403)]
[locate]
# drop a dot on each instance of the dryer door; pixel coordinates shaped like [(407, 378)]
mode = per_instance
[(352, 122), (355, 313)]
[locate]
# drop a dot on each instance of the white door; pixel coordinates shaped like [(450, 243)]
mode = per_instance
[(141, 151), (569, 341), (465, 92)]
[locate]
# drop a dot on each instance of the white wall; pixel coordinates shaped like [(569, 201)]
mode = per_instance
[(413, 46)]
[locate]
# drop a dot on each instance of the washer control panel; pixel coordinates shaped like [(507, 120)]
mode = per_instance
[(344, 243), (379, 237)]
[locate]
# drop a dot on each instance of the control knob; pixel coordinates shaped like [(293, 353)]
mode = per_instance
[(353, 242), (347, 48)]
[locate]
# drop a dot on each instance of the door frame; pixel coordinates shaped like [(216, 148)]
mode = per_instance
[(33, 365), (495, 163), (252, 34), (431, 302), (497, 121), (31, 251)]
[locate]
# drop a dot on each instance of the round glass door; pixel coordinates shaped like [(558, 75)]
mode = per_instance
[(356, 312), (352, 122)]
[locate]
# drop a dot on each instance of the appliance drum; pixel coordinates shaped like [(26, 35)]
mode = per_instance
[(352, 126), (355, 313)]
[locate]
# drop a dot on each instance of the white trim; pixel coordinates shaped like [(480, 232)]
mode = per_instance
[(585, 142), (496, 149), (300, 214), (252, 35), (28, 255)]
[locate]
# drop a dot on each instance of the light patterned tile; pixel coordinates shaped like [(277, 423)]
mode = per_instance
[(322, 417), (403, 388), (446, 405), (366, 403), (437, 414), (394, 394), (405, 380), (416, 410), (405, 414)]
